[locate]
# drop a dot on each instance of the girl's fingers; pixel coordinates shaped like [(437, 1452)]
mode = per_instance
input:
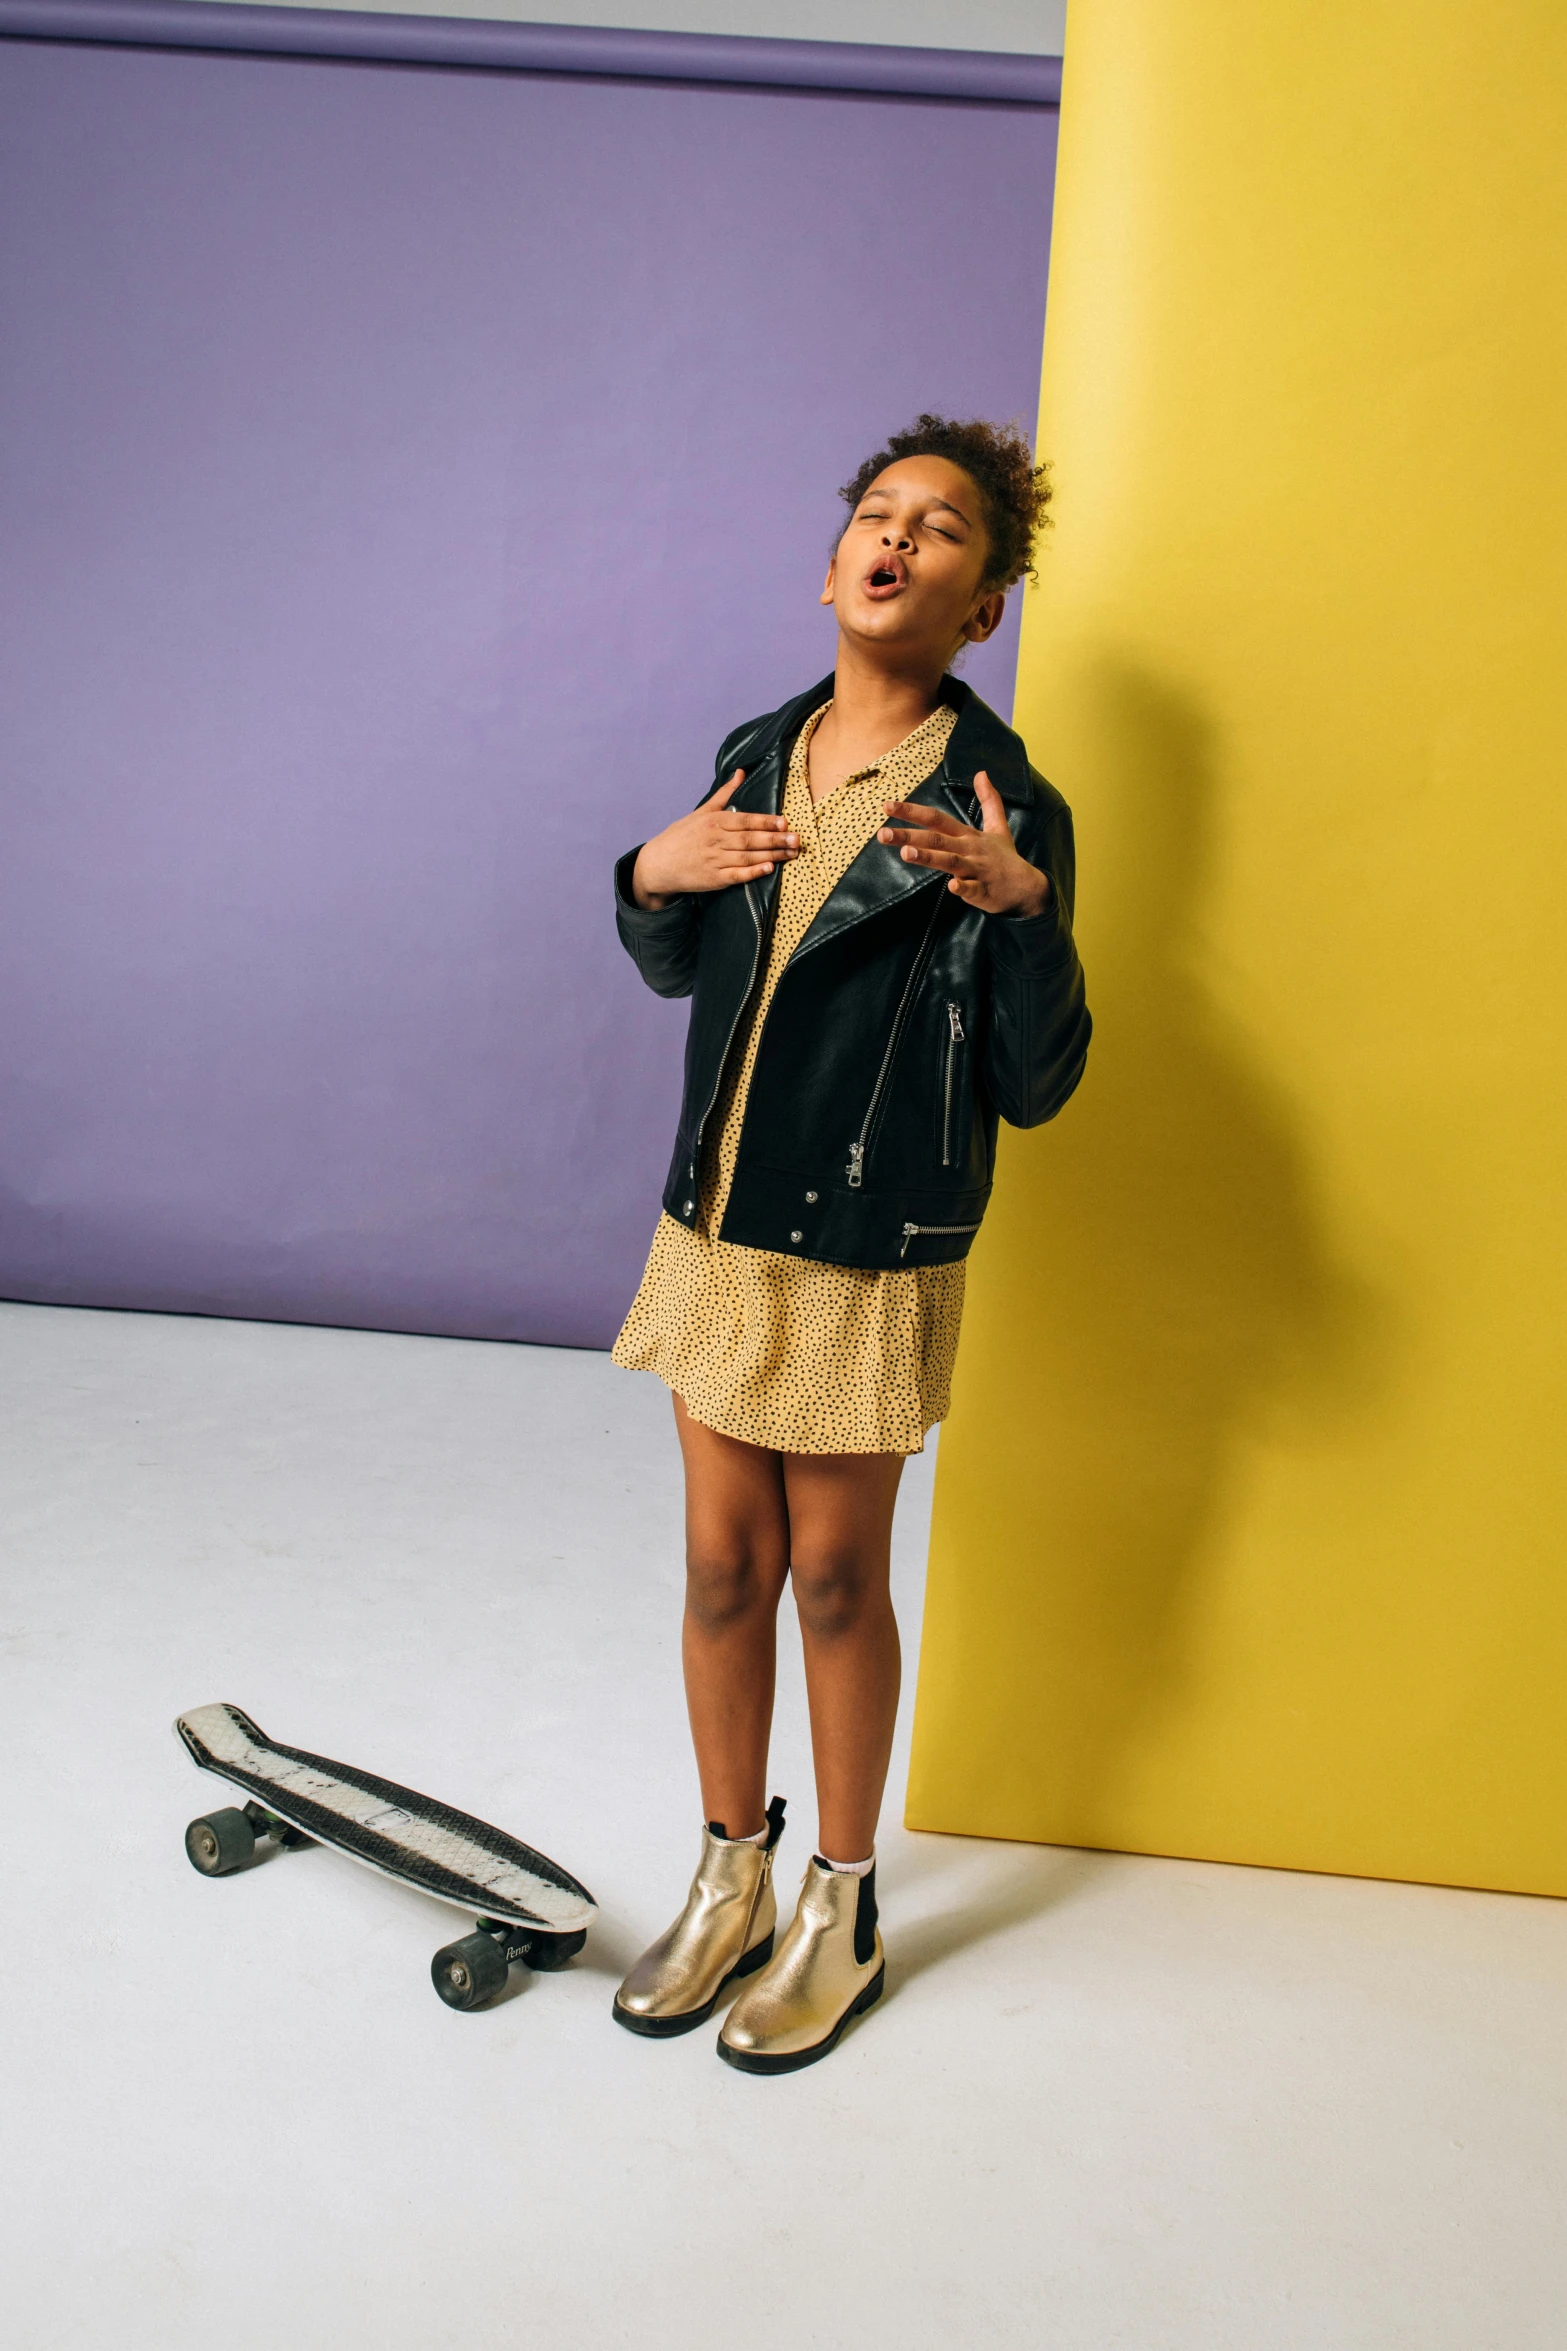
[(933, 820), (758, 832), (944, 860), (728, 859), (994, 816), (933, 856)]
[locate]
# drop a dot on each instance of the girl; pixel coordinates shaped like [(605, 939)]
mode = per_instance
[(871, 912)]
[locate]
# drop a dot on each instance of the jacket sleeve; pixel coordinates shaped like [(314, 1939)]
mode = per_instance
[(1037, 1036), (662, 941)]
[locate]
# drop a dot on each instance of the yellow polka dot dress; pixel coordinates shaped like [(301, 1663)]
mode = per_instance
[(784, 1351)]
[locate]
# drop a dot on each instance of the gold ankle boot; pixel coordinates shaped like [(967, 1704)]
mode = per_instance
[(829, 1969), (725, 1930)]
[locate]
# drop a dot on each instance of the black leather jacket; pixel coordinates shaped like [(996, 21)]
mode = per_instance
[(904, 1023)]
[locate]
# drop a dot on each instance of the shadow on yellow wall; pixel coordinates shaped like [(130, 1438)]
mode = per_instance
[(1249, 1519), (1168, 1288)]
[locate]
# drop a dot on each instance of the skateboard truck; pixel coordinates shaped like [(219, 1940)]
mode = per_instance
[(222, 1841), (469, 1973), (267, 1824)]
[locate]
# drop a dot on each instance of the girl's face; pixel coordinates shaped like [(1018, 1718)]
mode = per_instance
[(906, 574)]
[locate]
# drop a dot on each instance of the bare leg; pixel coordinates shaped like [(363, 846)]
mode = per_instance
[(737, 1561), (840, 1509)]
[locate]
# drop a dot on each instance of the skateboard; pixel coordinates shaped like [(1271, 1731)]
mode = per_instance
[(527, 1908)]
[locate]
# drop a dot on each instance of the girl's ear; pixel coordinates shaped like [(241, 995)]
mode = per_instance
[(832, 574), (985, 618)]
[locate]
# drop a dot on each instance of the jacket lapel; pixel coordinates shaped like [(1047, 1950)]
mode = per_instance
[(982, 740), (762, 795), (762, 792), (878, 878), (762, 754)]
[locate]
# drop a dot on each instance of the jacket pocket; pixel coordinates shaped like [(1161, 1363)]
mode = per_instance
[(912, 1231)]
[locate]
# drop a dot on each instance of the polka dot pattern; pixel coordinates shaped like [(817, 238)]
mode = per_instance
[(788, 1352)]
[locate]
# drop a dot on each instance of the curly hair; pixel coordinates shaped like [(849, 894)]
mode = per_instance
[(1014, 491)]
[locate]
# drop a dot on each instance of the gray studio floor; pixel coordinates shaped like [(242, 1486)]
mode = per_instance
[(1110, 2105)]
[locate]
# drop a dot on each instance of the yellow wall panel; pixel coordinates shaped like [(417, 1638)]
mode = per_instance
[(1249, 1516)]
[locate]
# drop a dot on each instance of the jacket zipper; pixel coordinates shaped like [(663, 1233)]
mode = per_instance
[(856, 1169), (955, 1038), (910, 1230)]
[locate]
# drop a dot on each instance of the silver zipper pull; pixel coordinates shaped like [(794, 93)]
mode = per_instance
[(909, 1232), (955, 1024), (856, 1166)]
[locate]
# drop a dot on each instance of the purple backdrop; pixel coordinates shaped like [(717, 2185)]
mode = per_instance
[(407, 476)]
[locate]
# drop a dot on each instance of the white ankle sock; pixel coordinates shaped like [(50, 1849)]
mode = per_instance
[(850, 1869), (759, 1838)]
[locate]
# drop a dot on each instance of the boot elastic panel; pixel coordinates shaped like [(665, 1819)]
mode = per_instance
[(772, 1822), (865, 1920)]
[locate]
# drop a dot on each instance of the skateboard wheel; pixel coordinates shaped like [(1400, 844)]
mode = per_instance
[(468, 1973), (220, 1842)]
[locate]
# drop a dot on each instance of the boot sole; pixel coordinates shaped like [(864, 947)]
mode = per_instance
[(757, 2061), (665, 2028)]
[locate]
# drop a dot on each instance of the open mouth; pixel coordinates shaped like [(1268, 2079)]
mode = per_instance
[(886, 579)]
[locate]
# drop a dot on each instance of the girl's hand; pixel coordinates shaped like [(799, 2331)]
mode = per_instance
[(711, 848), (984, 868)]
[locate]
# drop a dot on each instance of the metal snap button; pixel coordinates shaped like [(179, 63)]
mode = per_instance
[(690, 1204), (810, 1199), (797, 1236)]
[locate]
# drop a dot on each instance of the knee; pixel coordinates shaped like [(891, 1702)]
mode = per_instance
[(722, 1590), (833, 1596)]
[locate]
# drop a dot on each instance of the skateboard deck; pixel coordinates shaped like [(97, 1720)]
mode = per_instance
[(532, 1909)]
